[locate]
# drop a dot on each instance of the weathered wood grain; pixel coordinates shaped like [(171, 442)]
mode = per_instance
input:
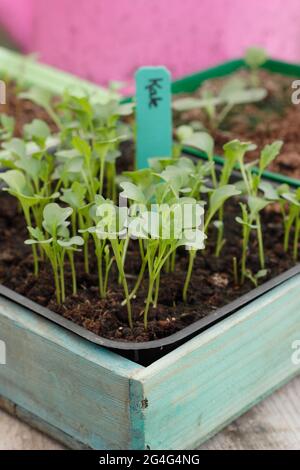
[(272, 424), (73, 385), (206, 383)]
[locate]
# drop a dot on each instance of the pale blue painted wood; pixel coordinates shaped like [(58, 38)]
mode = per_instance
[(137, 406), (153, 114), (206, 383), (75, 386), (104, 401), (41, 425)]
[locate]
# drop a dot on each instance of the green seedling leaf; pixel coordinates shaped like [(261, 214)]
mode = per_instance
[(220, 195), (256, 205), (193, 239), (7, 126), (112, 156), (270, 192), (218, 224), (175, 177), (246, 96), (187, 104), (32, 148), (184, 132), (104, 111), (254, 278), (18, 187), (102, 148), (234, 152), (158, 164), (82, 147), (125, 109), (16, 146), (6, 160), (283, 188), (31, 167), (55, 219), (132, 192), (30, 241), (232, 85), (112, 221), (77, 241), (68, 154), (202, 141), (37, 129), (241, 186), (74, 166), (269, 153), (239, 220), (143, 177), (186, 164), (38, 96), (15, 181), (74, 196), (262, 273), (237, 148), (291, 197), (36, 233)]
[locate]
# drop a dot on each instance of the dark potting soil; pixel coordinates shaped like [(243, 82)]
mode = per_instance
[(212, 284), (273, 118), (24, 111)]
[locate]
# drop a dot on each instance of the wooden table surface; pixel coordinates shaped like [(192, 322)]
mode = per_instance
[(273, 424)]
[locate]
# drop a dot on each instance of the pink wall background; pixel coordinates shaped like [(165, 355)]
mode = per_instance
[(16, 16), (104, 40)]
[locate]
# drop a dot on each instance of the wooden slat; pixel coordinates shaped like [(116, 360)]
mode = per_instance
[(75, 386), (206, 383), (272, 424)]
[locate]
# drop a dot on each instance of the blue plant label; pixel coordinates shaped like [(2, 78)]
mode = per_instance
[(153, 114)]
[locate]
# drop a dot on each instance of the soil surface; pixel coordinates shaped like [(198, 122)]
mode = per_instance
[(212, 283), (273, 118)]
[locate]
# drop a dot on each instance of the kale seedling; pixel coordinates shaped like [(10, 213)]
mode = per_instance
[(55, 241), (42, 98), (255, 57), (7, 127), (252, 186), (292, 218), (164, 228), (109, 227), (202, 141), (18, 187), (234, 92)]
